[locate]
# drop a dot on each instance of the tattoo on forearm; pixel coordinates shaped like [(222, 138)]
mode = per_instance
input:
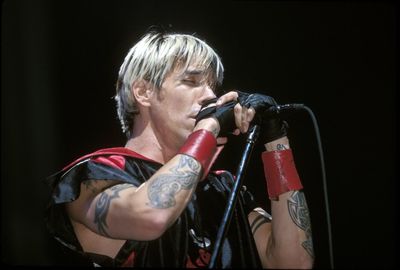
[(257, 222), (163, 188), (298, 211), (215, 132), (103, 204), (280, 146)]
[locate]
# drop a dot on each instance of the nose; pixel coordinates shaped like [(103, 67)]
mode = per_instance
[(207, 94)]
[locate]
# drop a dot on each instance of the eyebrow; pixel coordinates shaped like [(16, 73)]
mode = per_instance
[(193, 72)]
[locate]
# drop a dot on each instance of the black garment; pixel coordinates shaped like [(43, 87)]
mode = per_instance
[(189, 242)]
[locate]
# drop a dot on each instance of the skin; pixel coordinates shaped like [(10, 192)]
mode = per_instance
[(107, 213), (289, 240)]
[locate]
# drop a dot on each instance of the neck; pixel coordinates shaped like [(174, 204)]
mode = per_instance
[(145, 141)]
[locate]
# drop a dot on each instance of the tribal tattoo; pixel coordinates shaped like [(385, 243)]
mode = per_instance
[(257, 222), (163, 188), (298, 211), (103, 205)]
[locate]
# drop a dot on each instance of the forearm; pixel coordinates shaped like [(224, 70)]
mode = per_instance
[(156, 204), (290, 243), (143, 213), (171, 188)]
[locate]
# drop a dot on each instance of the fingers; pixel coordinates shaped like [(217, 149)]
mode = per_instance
[(232, 95), (236, 132), (250, 114), (222, 140), (243, 117), (238, 116)]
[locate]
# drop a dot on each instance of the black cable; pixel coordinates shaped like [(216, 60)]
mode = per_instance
[(314, 120), (278, 109)]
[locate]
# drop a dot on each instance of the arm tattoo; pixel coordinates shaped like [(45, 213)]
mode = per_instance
[(215, 132), (103, 204), (280, 146), (163, 188), (298, 211), (257, 222)]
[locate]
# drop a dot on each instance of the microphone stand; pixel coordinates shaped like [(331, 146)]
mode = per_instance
[(225, 222)]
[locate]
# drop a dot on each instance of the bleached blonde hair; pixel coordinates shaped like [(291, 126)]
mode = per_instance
[(152, 58)]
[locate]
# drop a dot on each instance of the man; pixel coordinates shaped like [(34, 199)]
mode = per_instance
[(156, 202)]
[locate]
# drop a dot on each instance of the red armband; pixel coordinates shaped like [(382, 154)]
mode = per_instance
[(202, 146), (280, 172)]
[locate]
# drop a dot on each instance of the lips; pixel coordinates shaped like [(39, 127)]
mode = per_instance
[(194, 114)]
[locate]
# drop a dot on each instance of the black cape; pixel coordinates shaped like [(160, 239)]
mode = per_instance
[(189, 242)]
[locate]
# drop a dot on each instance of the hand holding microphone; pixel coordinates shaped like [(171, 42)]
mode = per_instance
[(272, 126), (224, 115), (266, 115)]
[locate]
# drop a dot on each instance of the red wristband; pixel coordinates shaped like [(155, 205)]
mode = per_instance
[(202, 146), (280, 172)]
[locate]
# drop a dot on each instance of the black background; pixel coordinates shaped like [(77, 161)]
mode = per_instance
[(59, 66)]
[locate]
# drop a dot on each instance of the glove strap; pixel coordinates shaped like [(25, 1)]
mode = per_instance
[(280, 172), (202, 146)]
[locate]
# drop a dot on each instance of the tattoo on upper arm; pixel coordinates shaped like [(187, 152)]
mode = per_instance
[(257, 222), (103, 205), (298, 211), (163, 188)]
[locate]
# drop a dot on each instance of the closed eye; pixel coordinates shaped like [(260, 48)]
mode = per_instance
[(191, 82)]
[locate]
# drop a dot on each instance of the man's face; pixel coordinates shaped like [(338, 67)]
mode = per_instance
[(177, 103)]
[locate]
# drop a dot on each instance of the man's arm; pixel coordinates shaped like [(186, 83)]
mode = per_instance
[(124, 211), (142, 213), (286, 242)]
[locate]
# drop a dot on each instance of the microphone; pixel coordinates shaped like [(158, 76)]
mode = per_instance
[(284, 108)]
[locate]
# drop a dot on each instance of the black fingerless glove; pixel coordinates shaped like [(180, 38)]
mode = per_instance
[(224, 115), (272, 126)]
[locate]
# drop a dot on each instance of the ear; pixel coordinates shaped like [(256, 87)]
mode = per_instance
[(142, 92)]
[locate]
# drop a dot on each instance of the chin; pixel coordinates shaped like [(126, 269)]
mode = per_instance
[(186, 131), (186, 134)]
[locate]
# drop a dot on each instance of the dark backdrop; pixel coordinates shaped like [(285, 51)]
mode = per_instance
[(59, 65)]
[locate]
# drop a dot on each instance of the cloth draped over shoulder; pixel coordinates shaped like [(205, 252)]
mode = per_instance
[(189, 242)]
